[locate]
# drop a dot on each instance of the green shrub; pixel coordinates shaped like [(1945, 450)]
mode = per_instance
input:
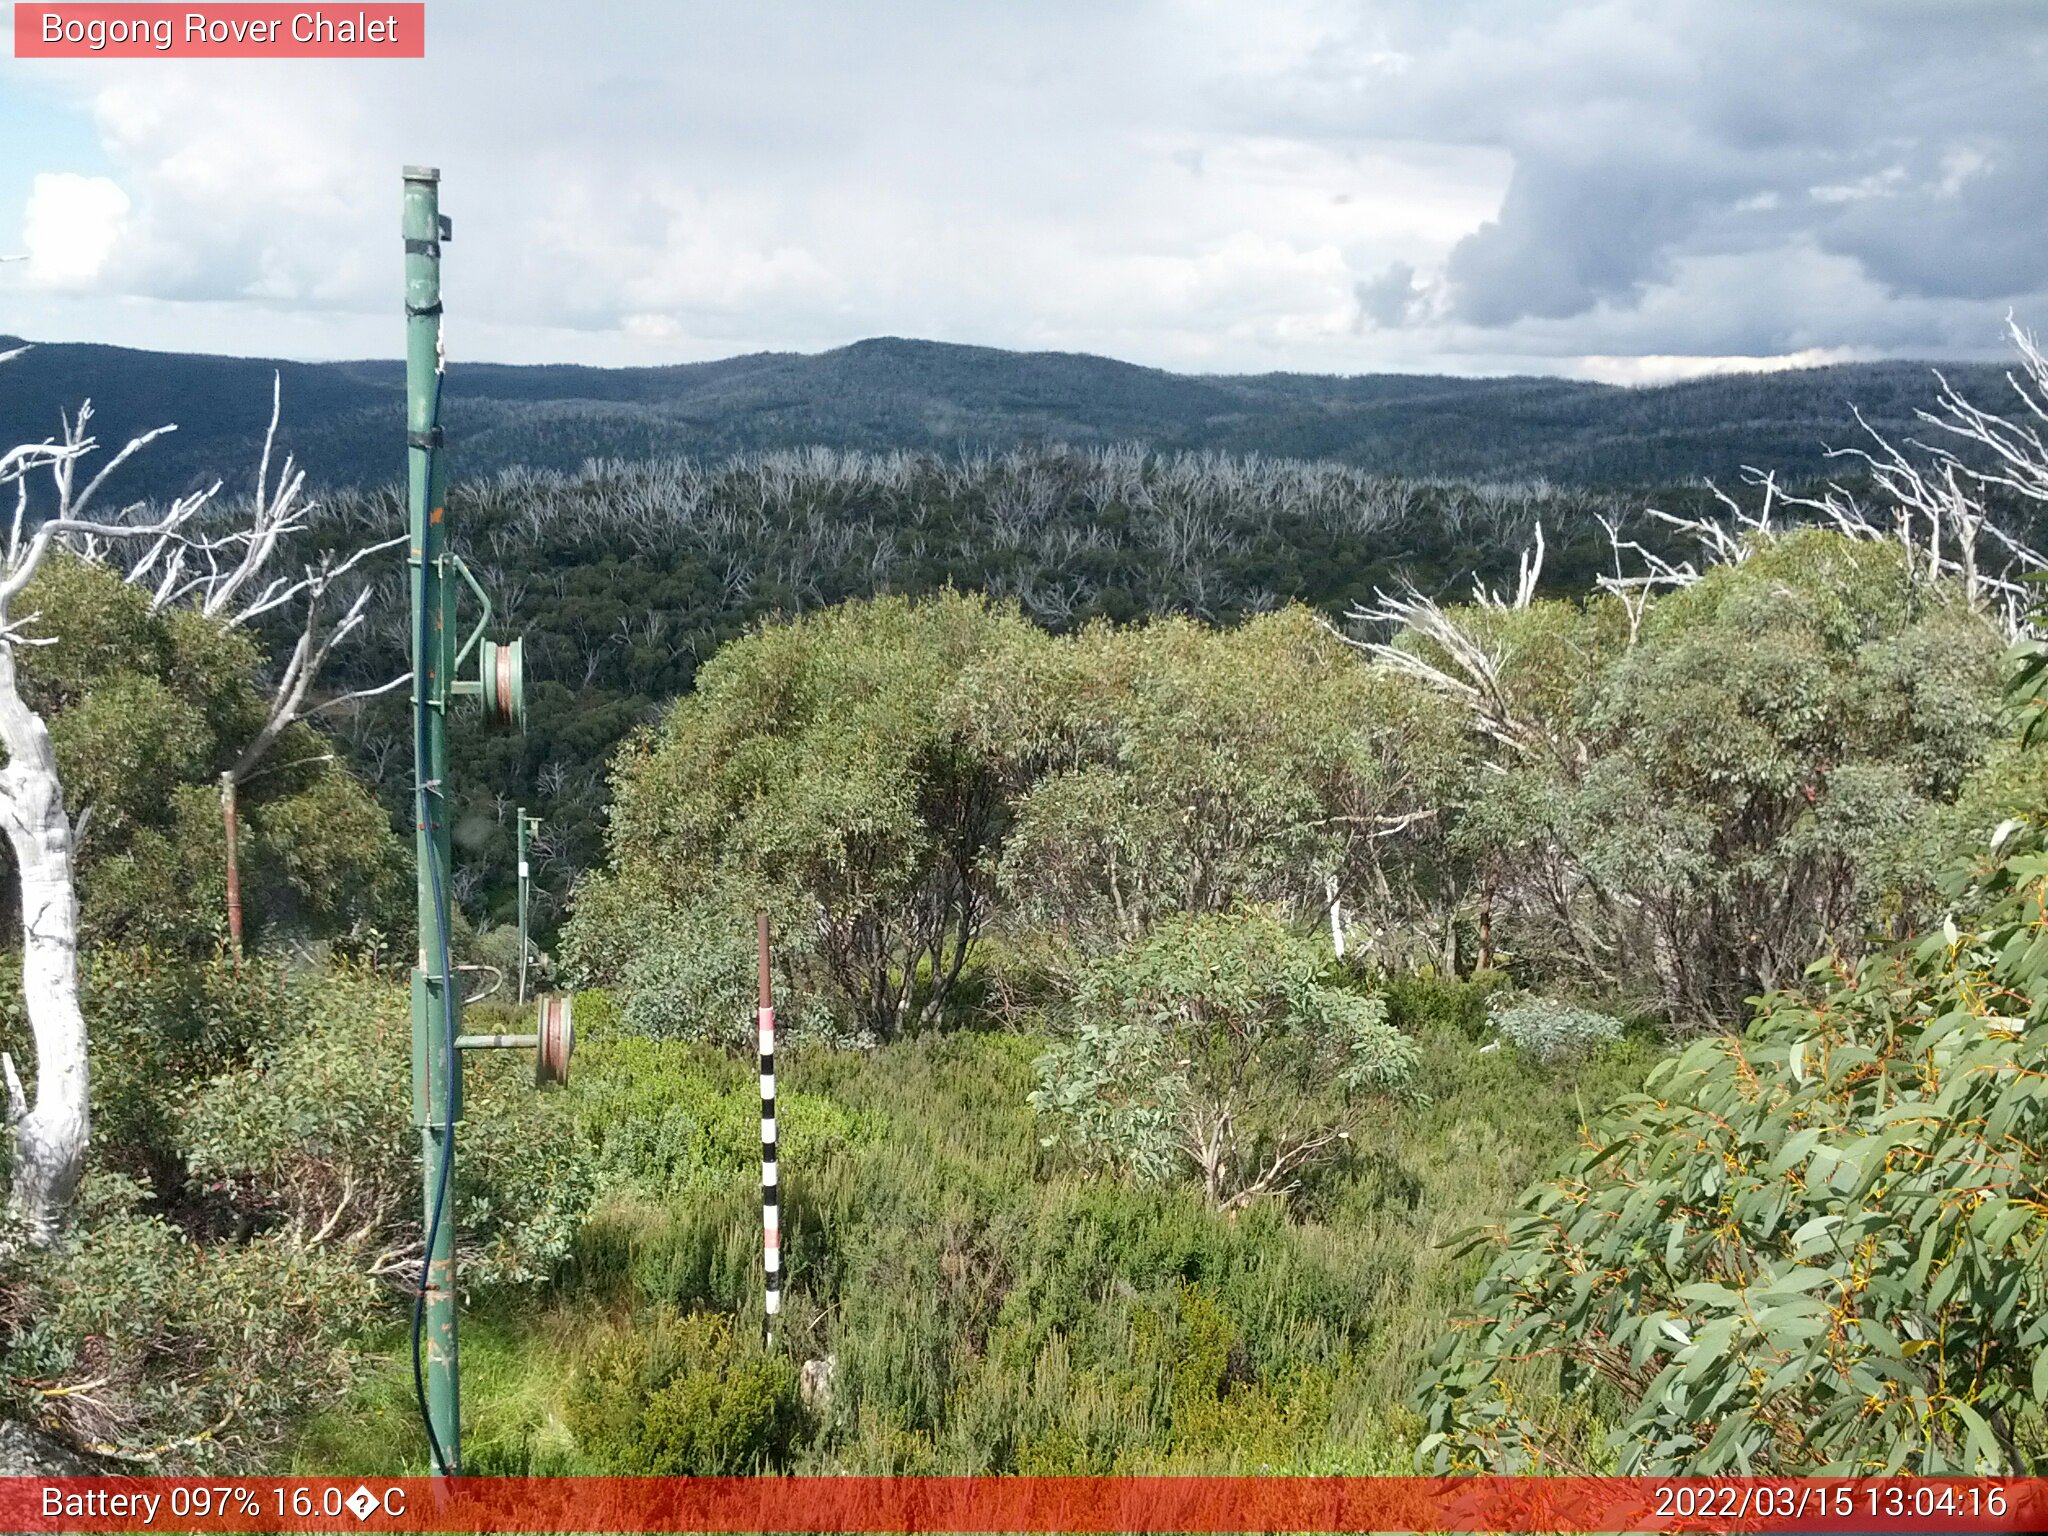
[(684, 1397), (696, 978), (1177, 767), (1549, 1030), (992, 1310), (701, 1252), (275, 1112), (1423, 1002), (146, 708), (1220, 1407), (665, 1117), (1217, 1042), (1814, 1248), (136, 1342), (597, 1013), (818, 770), (160, 1025), (315, 1137)]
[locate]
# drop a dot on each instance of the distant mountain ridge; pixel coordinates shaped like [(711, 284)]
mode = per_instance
[(343, 419)]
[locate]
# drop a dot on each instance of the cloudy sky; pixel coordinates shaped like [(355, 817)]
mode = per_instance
[(1616, 189)]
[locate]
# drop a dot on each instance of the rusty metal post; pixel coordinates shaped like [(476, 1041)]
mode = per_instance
[(229, 820)]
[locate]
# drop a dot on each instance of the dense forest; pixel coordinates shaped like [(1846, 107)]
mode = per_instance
[(1263, 945), (342, 419), (624, 578)]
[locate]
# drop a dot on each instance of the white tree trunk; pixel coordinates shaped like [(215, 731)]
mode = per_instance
[(50, 1135)]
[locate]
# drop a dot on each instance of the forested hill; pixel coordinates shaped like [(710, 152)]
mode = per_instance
[(342, 419)]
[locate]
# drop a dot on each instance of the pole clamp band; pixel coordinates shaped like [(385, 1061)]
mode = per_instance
[(422, 247), (431, 438), (422, 311)]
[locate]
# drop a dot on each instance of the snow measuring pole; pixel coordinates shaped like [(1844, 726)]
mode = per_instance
[(526, 825)]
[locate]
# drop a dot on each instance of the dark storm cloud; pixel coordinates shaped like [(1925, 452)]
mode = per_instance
[(1388, 300), (1971, 228), (1567, 238), (1911, 138)]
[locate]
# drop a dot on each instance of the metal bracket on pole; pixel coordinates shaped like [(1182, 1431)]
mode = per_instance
[(500, 679), (552, 1043), (483, 621)]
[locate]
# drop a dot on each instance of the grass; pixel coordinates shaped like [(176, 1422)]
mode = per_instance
[(514, 1358), (989, 1310)]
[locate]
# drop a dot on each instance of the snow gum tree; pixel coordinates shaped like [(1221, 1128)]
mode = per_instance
[(181, 559)]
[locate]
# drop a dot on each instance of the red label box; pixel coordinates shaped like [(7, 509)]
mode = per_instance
[(1759, 1506), (366, 29)]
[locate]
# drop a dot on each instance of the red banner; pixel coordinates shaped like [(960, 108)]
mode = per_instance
[(977, 1504), (260, 30)]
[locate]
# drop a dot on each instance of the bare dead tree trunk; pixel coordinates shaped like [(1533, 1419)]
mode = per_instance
[(51, 1132), (238, 585), (50, 1135)]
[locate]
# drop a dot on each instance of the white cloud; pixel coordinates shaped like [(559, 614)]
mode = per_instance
[(1889, 182), (72, 226), (1303, 184), (1670, 370)]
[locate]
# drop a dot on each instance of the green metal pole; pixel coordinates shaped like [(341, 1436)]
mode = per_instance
[(437, 1068)]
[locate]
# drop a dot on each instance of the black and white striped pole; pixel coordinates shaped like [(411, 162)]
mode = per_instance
[(771, 1206)]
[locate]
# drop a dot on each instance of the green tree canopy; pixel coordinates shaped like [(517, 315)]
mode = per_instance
[(1689, 816), (1218, 1043), (1174, 767), (818, 770), (145, 711)]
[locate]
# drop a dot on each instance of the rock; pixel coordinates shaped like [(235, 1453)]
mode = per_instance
[(27, 1452), (814, 1384)]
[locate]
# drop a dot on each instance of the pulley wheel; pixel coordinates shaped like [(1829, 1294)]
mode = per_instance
[(557, 1039), (501, 672)]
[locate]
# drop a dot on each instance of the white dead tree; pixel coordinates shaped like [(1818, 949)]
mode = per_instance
[(1461, 660), (1937, 498), (1932, 498), (1528, 571), (240, 577), (1640, 572), (171, 556), (50, 1133)]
